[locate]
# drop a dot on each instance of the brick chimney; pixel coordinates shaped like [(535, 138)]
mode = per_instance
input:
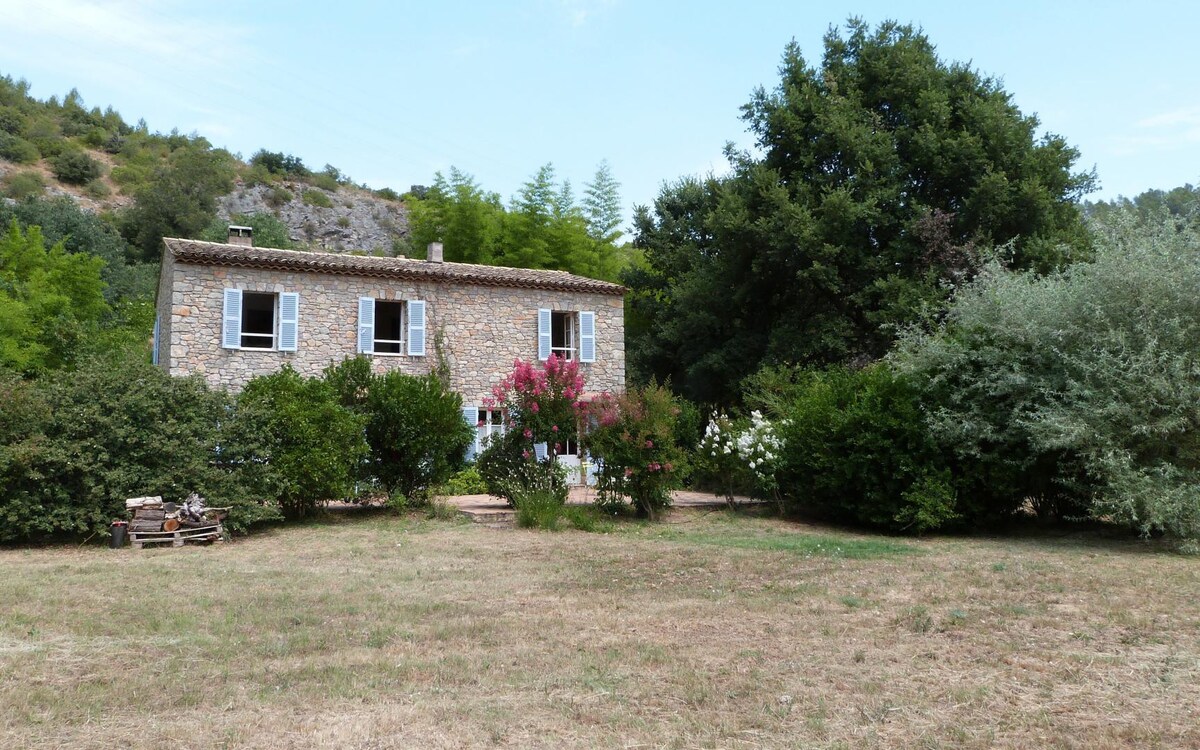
[(243, 236), (435, 252)]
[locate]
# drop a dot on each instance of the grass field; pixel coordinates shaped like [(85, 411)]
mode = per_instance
[(711, 630)]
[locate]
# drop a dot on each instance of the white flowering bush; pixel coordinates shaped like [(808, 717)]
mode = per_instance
[(717, 457), (759, 445)]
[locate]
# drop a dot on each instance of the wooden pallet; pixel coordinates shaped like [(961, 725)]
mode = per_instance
[(179, 537)]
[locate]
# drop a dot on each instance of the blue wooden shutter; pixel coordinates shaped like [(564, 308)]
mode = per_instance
[(366, 325), (157, 333), (416, 328), (231, 320), (540, 450), (543, 334), (289, 320), (587, 337), (471, 417)]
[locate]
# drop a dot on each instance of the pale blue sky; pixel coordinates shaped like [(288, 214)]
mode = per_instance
[(390, 92)]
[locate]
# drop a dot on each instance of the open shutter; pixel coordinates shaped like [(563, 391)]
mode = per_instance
[(540, 450), (366, 325), (471, 417), (543, 334), (231, 320), (587, 337), (157, 333), (416, 328), (289, 319)]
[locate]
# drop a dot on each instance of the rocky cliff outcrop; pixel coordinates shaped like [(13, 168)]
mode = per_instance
[(345, 220)]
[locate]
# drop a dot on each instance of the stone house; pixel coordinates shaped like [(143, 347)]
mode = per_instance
[(231, 311)]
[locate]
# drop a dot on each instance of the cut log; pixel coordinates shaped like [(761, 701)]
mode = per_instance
[(170, 524), (149, 514), (143, 526)]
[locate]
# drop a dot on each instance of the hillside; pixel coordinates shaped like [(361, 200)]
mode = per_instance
[(51, 148)]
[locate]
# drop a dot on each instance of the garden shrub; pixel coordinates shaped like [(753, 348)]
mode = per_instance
[(76, 444), (718, 464), (464, 482), (415, 431), (293, 443), (856, 449), (509, 469), (633, 436), (1078, 389), (542, 407)]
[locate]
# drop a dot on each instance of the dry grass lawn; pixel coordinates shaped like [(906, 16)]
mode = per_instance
[(710, 631)]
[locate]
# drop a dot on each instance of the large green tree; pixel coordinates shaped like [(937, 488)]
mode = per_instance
[(877, 176), (50, 301), (543, 226)]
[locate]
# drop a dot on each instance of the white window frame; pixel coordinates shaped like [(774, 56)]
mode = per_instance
[(234, 314), (580, 331), (402, 342), (571, 327), (412, 327)]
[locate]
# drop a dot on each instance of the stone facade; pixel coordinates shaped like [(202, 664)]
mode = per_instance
[(479, 328)]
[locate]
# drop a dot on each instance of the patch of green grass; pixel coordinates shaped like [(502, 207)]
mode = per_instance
[(808, 545)]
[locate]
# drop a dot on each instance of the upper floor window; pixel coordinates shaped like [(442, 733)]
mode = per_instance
[(260, 320), (391, 326), (570, 335)]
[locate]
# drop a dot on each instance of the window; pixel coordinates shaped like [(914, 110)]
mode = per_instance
[(562, 334), (570, 335), (488, 424), (391, 326), (260, 320)]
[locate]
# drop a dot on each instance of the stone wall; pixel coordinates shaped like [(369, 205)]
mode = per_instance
[(482, 329)]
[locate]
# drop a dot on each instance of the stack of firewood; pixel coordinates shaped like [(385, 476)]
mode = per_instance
[(152, 514), (148, 514)]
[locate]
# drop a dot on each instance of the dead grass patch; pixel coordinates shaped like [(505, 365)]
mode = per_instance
[(717, 631)]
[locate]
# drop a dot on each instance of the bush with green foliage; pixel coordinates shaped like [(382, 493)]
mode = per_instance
[(74, 445), (856, 449), (82, 232), (24, 185), (14, 148), (176, 197), (75, 167), (464, 482), (317, 198), (416, 432), (279, 163), (633, 437), (1078, 389), (509, 469), (293, 443)]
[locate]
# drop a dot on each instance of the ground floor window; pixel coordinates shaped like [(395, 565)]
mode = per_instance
[(491, 424)]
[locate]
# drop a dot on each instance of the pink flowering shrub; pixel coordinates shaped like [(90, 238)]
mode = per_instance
[(542, 401), (542, 405), (633, 435)]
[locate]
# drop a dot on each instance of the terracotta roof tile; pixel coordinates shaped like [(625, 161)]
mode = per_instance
[(219, 254)]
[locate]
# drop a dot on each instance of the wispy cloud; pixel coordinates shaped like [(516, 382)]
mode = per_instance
[(134, 42), (1185, 116), (580, 12), (1160, 132)]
